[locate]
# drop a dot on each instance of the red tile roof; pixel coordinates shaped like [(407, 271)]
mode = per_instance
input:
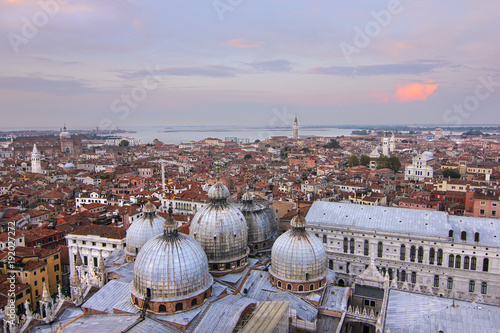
[(104, 231)]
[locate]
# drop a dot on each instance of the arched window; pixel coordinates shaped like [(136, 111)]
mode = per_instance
[(420, 254), (178, 307), (486, 263), (330, 264), (390, 274), (346, 244), (380, 249), (301, 288), (324, 239), (451, 261), (279, 284), (463, 236), (436, 281), (136, 302), (194, 302), (466, 262), (311, 286), (450, 233), (450, 283), (458, 261), (402, 253), (413, 277), (228, 266), (352, 245), (473, 262), (148, 292), (289, 286), (307, 276), (412, 253), (367, 248), (472, 286), (432, 255), (440, 257), (476, 237), (403, 276), (162, 308), (484, 288)]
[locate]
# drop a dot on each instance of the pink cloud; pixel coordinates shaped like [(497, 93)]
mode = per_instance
[(415, 91), (240, 42)]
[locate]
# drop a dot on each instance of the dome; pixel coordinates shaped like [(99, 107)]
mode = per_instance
[(172, 270), (258, 222), (298, 260), (69, 166), (218, 191), (428, 155), (64, 133), (142, 230), (221, 229)]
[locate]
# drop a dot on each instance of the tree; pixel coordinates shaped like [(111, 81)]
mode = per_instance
[(451, 173), (394, 163), (382, 162), (124, 143), (365, 160), (334, 144), (256, 141), (353, 161), (305, 150), (247, 157)]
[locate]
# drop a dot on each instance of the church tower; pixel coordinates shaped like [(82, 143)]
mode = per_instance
[(295, 128), (392, 143), (36, 166), (385, 146)]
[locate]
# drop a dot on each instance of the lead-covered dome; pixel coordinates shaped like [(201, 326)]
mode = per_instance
[(142, 230), (258, 222), (298, 259), (221, 230), (218, 191), (172, 271)]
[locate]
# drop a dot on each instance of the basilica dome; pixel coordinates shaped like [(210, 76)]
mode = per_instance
[(221, 230), (258, 222), (171, 272), (142, 230), (298, 259)]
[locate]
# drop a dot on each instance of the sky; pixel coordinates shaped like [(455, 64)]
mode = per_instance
[(118, 63)]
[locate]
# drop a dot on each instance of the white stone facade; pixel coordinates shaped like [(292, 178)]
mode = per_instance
[(419, 169)]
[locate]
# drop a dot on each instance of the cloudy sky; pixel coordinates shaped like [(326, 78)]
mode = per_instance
[(237, 62)]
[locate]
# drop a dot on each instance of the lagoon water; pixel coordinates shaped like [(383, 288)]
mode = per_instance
[(177, 134)]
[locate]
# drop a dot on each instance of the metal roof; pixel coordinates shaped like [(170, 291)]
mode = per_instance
[(116, 323), (258, 286), (266, 317), (112, 293), (415, 313), (223, 315), (404, 221)]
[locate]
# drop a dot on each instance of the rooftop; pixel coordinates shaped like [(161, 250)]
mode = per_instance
[(405, 221), (408, 312)]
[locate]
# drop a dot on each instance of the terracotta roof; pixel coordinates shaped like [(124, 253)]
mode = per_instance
[(37, 233), (104, 231), (24, 251)]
